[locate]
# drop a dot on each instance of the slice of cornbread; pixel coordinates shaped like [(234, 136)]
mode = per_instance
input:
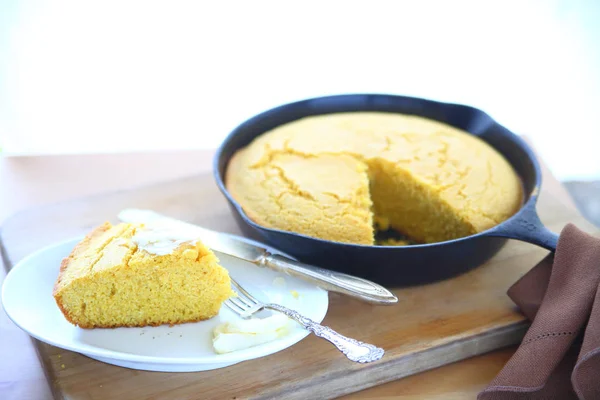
[(128, 275)]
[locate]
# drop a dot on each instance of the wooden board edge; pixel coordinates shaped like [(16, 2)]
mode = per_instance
[(408, 365), (37, 345), (45, 362)]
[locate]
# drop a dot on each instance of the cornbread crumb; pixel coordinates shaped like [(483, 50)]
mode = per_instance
[(279, 282), (341, 176), (62, 366), (107, 281), (393, 242), (295, 294)]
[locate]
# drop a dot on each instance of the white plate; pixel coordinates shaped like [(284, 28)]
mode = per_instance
[(27, 299)]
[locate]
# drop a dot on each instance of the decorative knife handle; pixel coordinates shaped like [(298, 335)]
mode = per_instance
[(331, 280), (353, 349)]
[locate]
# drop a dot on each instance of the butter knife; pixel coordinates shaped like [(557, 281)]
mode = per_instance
[(232, 245)]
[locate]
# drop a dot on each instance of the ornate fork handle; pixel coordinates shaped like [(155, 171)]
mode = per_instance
[(353, 349)]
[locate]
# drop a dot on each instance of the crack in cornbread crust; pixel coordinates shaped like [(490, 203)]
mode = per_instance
[(124, 286), (458, 178)]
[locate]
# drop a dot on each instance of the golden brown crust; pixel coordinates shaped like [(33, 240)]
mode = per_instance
[(140, 325), (79, 248), (229, 176)]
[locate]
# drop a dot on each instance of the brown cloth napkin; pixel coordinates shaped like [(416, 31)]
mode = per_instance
[(559, 357)]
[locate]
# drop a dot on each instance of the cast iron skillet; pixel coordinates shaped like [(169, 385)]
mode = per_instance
[(391, 265)]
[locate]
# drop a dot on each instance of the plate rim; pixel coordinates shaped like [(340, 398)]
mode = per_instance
[(233, 357)]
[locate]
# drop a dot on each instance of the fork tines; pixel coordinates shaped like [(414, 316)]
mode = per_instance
[(244, 304)]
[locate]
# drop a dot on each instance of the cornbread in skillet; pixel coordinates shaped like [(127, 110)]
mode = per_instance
[(340, 176), (127, 275)]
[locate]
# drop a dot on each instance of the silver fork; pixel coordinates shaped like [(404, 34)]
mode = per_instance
[(245, 305)]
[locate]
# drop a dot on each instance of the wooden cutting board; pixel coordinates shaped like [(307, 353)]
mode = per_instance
[(431, 326)]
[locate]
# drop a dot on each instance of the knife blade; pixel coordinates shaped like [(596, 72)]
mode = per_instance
[(235, 246)]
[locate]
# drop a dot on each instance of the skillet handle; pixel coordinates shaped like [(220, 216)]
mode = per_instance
[(527, 227)]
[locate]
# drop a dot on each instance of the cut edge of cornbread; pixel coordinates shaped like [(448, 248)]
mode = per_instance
[(108, 282)]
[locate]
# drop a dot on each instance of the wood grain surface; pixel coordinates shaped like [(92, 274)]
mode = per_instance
[(432, 325)]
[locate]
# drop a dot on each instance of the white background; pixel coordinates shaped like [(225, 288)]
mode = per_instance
[(115, 76)]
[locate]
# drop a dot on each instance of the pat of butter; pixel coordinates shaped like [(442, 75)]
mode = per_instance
[(242, 334), (161, 241)]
